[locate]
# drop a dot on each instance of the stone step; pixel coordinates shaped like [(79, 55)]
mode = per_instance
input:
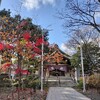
[(62, 81)]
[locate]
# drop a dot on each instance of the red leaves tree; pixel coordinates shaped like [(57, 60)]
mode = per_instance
[(19, 38)]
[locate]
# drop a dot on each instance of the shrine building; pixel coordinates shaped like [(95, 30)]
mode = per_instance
[(56, 63)]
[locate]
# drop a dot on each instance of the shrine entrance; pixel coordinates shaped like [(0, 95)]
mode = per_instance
[(57, 63), (57, 73), (56, 70)]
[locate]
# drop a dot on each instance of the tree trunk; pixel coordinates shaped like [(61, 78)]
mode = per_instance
[(19, 74), (19, 66)]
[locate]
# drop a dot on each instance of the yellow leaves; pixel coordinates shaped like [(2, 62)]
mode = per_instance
[(4, 35), (13, 32), (5, 53), (6, 20), (3, 18), (23, 42), (30, 56), (13, 56)]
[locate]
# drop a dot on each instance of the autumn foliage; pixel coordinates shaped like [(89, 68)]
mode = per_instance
[(19, 38)]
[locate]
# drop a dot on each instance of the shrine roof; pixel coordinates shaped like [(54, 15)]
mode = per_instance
[(56, 55)]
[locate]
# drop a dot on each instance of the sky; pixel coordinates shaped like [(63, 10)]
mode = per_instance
[(43, 13)]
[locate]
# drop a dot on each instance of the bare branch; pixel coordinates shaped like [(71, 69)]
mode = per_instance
[(78, 14)]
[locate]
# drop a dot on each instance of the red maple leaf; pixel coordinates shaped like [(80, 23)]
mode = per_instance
[(26, 36), (1, 46)]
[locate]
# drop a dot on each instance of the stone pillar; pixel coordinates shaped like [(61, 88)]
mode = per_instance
[(77, 73), (76, 79)]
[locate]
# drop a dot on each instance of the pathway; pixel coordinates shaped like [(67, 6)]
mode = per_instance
[(64, 93)]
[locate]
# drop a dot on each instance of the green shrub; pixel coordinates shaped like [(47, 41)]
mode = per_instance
[(80, 83), (32, 82), (4, 80), (94, 81)]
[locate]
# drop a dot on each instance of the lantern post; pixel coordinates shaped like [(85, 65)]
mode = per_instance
[(84, 88)]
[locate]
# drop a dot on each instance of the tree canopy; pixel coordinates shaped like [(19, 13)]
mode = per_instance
[(20, 38), (90, 57)]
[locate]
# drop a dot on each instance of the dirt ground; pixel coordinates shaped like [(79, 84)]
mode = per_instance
[(91, 93), (7, 94)]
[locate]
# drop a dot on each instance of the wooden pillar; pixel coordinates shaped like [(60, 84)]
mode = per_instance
[(47, 72)]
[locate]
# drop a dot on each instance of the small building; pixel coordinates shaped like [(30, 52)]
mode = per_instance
[(56, 62)]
